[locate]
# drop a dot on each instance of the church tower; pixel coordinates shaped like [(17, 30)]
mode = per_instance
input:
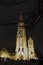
[(21, 47), (31, 51)]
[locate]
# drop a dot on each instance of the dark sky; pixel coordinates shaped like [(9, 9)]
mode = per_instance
[(9, 16)]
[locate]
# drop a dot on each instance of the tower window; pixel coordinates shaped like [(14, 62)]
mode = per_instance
[(18, 49), (23, 49)]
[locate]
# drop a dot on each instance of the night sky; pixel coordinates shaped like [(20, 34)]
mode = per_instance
[(9, 18)]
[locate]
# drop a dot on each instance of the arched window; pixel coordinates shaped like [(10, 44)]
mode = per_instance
[(23, 49), (18, 49)]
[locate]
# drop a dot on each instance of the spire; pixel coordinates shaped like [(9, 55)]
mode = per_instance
[(21, 18), (21, 46), (31, 50), (21, 23)]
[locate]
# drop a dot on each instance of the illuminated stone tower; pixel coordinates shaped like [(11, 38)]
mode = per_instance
[(21, 47), (31, 51)]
